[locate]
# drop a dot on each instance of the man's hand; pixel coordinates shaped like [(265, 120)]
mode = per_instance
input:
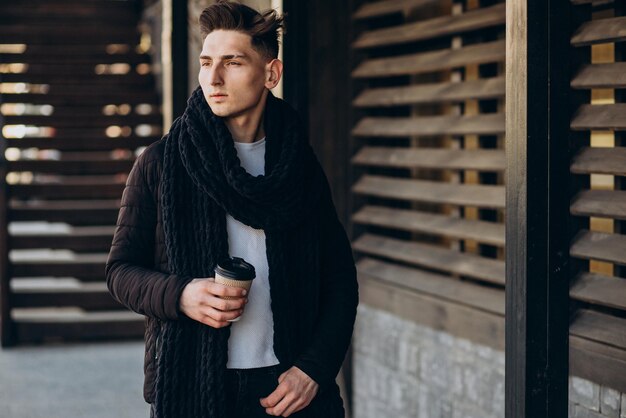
[(295, 391), (202, 300)]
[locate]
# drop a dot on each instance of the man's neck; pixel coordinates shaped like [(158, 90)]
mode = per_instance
[(250, 130), (249, 127)]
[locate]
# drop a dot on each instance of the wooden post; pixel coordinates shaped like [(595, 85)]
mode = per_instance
[(180, 58), (6, 328), (537, 133)]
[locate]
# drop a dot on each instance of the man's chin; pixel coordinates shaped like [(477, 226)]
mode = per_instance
[(219, 111)]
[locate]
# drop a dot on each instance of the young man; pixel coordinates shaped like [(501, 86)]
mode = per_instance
[(235, 176)]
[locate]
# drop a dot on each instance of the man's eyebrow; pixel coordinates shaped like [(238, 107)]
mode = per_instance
[(225, 57)]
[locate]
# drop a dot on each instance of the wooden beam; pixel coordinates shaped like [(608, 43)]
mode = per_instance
[(439, 314), (537, 133)]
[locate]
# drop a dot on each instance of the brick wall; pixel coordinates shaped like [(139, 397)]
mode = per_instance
[(403, 369)]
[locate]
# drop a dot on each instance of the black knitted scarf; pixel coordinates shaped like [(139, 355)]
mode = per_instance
[(202, 180)]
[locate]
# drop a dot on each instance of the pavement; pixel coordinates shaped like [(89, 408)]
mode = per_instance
[(93, 380)]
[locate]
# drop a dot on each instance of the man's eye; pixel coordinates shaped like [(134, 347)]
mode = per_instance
[(233, 63), (204, 64)]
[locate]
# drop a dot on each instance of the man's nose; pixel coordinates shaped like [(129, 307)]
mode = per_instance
[(215, 76)]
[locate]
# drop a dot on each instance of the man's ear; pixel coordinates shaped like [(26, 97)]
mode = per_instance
[(273, 73)]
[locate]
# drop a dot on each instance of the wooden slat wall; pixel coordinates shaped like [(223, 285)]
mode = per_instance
[(598, 208), (429, 190), (70, 135)]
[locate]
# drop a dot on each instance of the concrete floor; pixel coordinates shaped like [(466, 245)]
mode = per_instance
[(95, 380)]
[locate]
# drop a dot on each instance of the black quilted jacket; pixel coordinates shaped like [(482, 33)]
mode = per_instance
[(137, 276)]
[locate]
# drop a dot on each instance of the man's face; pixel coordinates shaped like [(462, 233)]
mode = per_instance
[(232, 74)]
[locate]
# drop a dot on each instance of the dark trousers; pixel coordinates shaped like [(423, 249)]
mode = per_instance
[(245, 387)]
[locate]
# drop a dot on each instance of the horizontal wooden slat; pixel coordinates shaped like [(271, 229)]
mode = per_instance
[(599, 290), (85, 144), (98, 111), (597, 76), (96, 212), (67, 190), (440, 159), (600, 160), (579, 2), (85, 95), (488, 88), (84, 50), (35, 58), (600, 31), (87, 30), (431, 191), (71, 167), (34, 73), (485, 124), (600, 203), (452, 318), (46, 294), (600, 363), (104, 18), (600, 246), (131, 80), (609, 117), (430, 223), (599, 327), (432, 28), (74, 122), (46, 35), (425, 62), (79, 238), (82, 266), (386, 7), (433, 257), (598, 346), (71, 7), (444, 287), (37, 325)]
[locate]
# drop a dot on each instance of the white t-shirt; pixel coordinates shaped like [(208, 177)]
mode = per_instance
[(252, 337)]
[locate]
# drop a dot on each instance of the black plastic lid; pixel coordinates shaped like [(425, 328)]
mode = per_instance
[(236, 268)]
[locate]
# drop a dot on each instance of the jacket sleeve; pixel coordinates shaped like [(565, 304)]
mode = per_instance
[(129, 271), (339, 298)]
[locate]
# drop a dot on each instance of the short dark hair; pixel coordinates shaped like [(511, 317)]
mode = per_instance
[(262, 27)]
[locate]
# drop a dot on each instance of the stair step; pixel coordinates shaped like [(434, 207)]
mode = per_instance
[(37, 325), (86, 238), (90, 212)]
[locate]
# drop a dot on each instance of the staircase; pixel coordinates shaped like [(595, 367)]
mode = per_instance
[(78, 101)]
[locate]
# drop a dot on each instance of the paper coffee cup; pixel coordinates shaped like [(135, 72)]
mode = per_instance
[(235, 272)]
